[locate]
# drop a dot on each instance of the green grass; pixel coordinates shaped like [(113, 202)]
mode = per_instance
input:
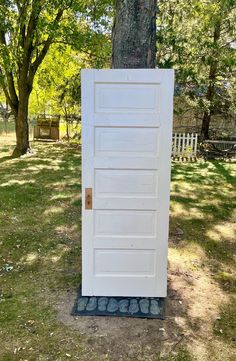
[(182, 355), (40, 222), (203, 205), (40, 238), (205, 192)]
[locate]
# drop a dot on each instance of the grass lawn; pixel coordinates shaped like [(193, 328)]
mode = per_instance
[(40, 256)]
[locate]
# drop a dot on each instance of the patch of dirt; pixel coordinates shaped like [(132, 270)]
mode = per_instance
[(192, 307), (139, 339)]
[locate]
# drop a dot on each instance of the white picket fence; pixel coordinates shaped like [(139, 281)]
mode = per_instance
[(184, 145)]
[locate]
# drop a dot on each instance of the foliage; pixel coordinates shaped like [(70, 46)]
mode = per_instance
[(54, 79), (198, 39), (27, 30)]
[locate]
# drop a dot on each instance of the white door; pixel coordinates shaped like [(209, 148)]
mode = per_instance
[(126, 150)]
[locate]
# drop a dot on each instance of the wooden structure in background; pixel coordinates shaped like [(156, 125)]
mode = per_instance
[(47, 127)]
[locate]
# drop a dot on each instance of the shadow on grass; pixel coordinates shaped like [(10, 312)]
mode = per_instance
[(203, 205), (4, 159), (40, 199), (41, 211), (224, 172), (208, 201)]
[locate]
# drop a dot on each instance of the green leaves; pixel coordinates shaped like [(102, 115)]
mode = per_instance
[(196, 38), (29, 28)]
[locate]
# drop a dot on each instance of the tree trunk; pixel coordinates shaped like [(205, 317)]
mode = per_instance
[(205, 125), (212, 78), (210, 98), (21, 125), (134, 34)]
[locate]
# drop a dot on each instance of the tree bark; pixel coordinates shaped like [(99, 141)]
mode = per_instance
[(205, 125), (134, 34), (21, 125), (210, 98), (212, 78)]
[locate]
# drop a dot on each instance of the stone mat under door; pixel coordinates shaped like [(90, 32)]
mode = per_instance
[(145, 307)]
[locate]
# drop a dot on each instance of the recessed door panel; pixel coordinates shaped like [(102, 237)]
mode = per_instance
[(126, 141), (125, 183), (126, 98)]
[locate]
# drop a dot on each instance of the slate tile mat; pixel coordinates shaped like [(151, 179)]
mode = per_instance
[(119, 306)]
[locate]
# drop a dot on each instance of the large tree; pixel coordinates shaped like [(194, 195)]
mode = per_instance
[(197, 38), (134, 34), (220, 60), (27, 29)]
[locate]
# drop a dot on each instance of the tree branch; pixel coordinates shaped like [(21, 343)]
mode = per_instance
[(227, 43), (42, 54), (22, 16), (28, 36), (32, 24), (9, 75), (7, 95)]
